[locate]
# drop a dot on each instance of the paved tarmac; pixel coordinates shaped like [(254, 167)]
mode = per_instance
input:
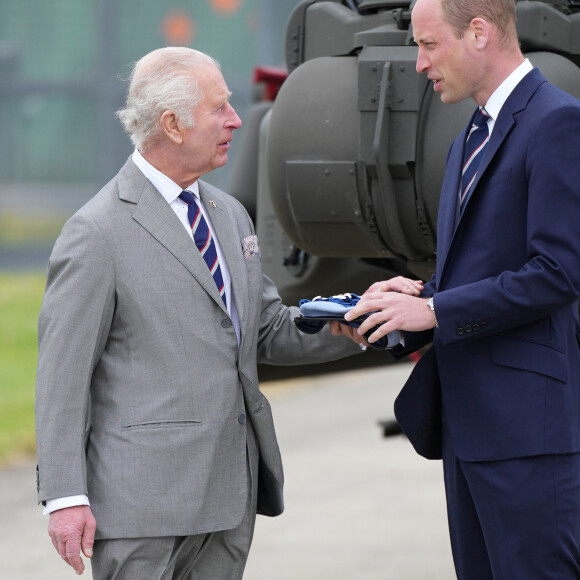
[(358, 506)]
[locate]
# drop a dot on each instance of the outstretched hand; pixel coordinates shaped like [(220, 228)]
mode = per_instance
[(72, 529)]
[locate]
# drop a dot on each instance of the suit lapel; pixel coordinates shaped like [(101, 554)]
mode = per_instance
[(229, 243), (449, 198), (515, 103), (502, 127), (155, 215)]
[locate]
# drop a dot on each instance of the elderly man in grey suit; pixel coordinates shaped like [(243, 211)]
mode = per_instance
[(156, 448)]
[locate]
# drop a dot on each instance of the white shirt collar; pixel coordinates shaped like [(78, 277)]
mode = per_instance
[(165, 186), (501, 94)]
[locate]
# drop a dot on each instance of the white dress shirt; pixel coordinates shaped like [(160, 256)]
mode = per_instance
[(501, 94)]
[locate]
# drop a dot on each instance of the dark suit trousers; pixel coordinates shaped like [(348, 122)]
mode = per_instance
[(517, 519), (218, 555)]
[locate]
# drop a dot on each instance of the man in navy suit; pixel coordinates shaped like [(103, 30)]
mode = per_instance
[(501, 308)]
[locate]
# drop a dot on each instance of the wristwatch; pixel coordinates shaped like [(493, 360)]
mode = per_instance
[(432, 306)]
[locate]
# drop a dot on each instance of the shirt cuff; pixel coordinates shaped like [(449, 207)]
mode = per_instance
[(63, 502)]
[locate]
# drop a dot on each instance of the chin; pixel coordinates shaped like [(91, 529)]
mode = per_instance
[(449, 99), (221, 161)]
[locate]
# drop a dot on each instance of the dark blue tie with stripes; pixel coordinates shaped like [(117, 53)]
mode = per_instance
[(204, 240), (476, 142)]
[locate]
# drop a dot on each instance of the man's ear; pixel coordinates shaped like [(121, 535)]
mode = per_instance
[(479, 31), (170, 127)]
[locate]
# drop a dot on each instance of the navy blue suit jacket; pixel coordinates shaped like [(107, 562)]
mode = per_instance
[(507, 282)]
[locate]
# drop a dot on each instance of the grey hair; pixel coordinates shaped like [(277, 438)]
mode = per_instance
[(163, 80)]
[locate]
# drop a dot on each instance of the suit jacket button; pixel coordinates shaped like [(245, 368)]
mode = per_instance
[(226, 323), (468, 328), (460, 331), (476, 327), (242, 418)]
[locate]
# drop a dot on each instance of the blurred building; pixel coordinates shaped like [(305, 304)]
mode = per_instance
[(63, 70)]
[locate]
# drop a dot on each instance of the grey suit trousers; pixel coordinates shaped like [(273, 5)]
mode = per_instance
[(220, 555)]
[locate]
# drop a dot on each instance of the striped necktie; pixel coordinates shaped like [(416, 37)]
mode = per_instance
[(203, 240), (476, 142)]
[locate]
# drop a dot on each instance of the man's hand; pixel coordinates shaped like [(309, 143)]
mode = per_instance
[(71, 529), (392, 311), (338, 329), (397, 284)]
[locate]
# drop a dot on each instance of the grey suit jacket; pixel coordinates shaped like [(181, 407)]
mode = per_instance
[(142, 390)]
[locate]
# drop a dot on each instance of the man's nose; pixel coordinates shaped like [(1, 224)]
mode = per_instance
[(422, 62), (235, 121)]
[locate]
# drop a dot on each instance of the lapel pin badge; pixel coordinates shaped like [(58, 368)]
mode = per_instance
[(212, 203)]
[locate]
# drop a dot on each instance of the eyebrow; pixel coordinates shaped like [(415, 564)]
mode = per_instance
[(226, 99)]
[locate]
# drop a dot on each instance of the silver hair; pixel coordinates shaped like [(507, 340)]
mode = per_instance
[(163, 80)]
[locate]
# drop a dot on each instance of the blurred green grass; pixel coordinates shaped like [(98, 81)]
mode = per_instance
[(20, 301), (18, 229)]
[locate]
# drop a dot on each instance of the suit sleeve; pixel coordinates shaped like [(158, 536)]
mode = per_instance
[(279, 342), (73, 326), (549, 277)]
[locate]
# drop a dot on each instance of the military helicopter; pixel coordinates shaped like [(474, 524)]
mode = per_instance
[(342, 169)]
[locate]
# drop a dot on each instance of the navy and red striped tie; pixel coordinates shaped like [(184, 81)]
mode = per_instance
[(203, 240), (474, 146)]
